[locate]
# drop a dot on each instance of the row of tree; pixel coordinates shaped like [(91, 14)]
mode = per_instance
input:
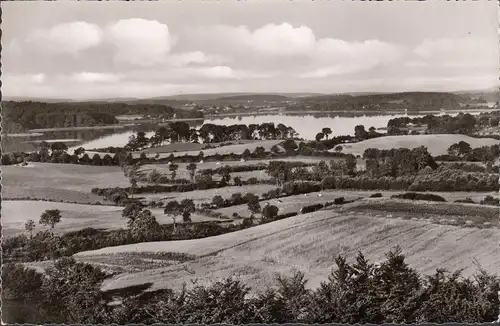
[(209, 133)]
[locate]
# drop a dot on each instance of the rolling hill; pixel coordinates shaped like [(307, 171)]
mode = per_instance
[(309, 243)]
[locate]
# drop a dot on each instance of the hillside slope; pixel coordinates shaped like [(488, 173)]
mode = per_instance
[(309, 243)]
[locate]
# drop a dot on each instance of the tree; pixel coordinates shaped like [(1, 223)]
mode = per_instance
[(96, 159), (326, 131), (173, 208), (275, 149), (79, 151), (50, 217), (225, 174), (289, 145), (460, 149), (154, 176), (237, 181), (253, 203), (319, 136), (106, 160), (338, 149), (246, 154), (173, 169), (187, 207), (360, 132), (270, 212), (218, 201), (30, 226), (279, 170), (131, 211), (350, 164), (58, 146), (192, 170), (145, 227)]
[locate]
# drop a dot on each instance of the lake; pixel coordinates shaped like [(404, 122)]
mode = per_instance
[(307, 126)]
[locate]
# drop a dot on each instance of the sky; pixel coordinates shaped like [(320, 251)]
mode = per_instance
[(87, 50)]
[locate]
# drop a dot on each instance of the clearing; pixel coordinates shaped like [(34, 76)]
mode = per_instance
[(59, 182), (436, 144), (310, 243)]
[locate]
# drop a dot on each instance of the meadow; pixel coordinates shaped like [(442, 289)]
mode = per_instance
[(59, 182)]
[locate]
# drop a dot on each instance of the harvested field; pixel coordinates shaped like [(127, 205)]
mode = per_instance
[(310, 243), (59, 182), (455, 213), (436, 144)]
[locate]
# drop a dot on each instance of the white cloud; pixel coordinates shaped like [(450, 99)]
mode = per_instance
[(66, 38), (38, 78), (338, 57), (95, 77), (283, 39), (194, 57), (461, 52), (139, 41), (270, 39), (16, 79)]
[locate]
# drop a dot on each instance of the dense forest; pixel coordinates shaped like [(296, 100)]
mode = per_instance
[(412, 101), (22, 116)]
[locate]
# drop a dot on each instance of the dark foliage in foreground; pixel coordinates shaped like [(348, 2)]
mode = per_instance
[(358, 292)]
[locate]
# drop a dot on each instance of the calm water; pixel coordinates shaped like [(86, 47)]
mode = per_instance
[(307, 126)]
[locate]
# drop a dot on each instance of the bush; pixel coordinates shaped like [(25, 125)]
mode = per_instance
[(466, 201), (376, 195), (311, 208), (417, 196)]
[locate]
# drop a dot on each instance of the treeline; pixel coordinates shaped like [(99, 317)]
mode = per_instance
[(412, 101), (209, 133), (463, 123), (355, 292), (22, 116)]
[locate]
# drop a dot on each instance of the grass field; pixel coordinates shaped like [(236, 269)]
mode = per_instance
[(66, 182), (73, 216), (309, 243), (436, 144)]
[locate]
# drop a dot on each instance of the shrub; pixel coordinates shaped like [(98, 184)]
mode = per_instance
[(376, 195), (417, 196)]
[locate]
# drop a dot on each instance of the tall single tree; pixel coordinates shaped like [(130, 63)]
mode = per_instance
[(50, 217)]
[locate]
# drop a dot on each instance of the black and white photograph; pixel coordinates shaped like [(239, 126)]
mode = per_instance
[(243, 162)]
